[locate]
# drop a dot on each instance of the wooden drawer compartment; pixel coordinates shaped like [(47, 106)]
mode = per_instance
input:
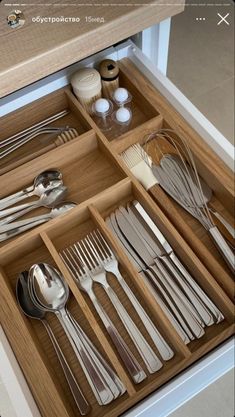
[(99, 181), (32, 114)]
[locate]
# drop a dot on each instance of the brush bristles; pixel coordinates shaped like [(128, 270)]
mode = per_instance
[(135, 154)]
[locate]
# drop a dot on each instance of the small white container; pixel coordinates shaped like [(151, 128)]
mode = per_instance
[(101, 112), (123, 118), (87, 87), (121, 97)]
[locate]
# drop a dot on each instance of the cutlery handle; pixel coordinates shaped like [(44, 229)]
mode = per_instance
[(223, 247), (164, 349), (180, 294), (198, 290), (197, 303), (230, 229), (21, 223), (134, 368), (163, 306), (91, 348), (14, 232), (180, 300), (14, 198), (78, 396), (150, 359), (94, 370), (17, 209), (154, 274)]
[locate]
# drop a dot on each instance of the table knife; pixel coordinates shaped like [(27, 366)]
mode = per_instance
[(159, 255), (177, 321), (168, 249), (180, 299), (159, 250)]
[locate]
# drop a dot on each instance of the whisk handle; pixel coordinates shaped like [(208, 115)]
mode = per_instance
[(223, 247)]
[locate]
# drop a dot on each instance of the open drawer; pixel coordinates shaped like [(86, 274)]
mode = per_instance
[(99, 182)]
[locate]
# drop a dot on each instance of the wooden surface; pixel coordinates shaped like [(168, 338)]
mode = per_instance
[(36, 50), (99, 182)]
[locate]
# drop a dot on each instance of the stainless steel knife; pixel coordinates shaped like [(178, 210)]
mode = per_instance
[(181, 300), (202, 309), (165, 244), (173, 314)]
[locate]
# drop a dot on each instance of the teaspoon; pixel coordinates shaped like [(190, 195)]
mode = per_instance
[(46, 180), (30, 310), (49, 199), (49, 291)]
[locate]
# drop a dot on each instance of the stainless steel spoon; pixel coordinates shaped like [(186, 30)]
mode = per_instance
[(49, 199), (30, 310), (49, 291), (36, 220), (46, 180)]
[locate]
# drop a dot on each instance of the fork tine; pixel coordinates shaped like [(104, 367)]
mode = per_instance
[(68, 263), (82, 253), (74, 257), (104, 242), (93, 248), (96, 241)]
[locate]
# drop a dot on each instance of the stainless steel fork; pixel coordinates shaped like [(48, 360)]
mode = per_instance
[(80, 273), (110, 264), (98, 275)]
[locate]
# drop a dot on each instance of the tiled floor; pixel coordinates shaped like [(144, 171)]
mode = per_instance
[(201, 62)]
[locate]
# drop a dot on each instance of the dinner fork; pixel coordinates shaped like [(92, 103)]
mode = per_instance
[(80, 273), (98, 275), (110, 264)]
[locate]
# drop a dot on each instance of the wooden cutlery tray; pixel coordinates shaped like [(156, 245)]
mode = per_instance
[(99, 182)]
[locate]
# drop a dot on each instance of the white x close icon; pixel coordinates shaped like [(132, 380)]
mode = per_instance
[(223, 19)]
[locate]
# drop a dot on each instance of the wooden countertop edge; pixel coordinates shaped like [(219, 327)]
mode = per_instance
[(70, 52)]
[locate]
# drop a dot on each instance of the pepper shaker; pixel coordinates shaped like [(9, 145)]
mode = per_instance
[(102, 110), (109, 72)]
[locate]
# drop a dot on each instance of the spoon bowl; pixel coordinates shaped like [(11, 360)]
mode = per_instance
[(24, 300), (47, 180), (47, 287), (52, 197)]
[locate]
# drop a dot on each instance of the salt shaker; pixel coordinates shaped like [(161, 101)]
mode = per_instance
[(87, 87), (122, 117), (102, 109), (121, 96), (109, 72)]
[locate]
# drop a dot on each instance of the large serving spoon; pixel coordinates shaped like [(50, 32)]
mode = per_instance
[(49, 200), (37, 220), (50, 292), (30, 310), (46, 180)]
